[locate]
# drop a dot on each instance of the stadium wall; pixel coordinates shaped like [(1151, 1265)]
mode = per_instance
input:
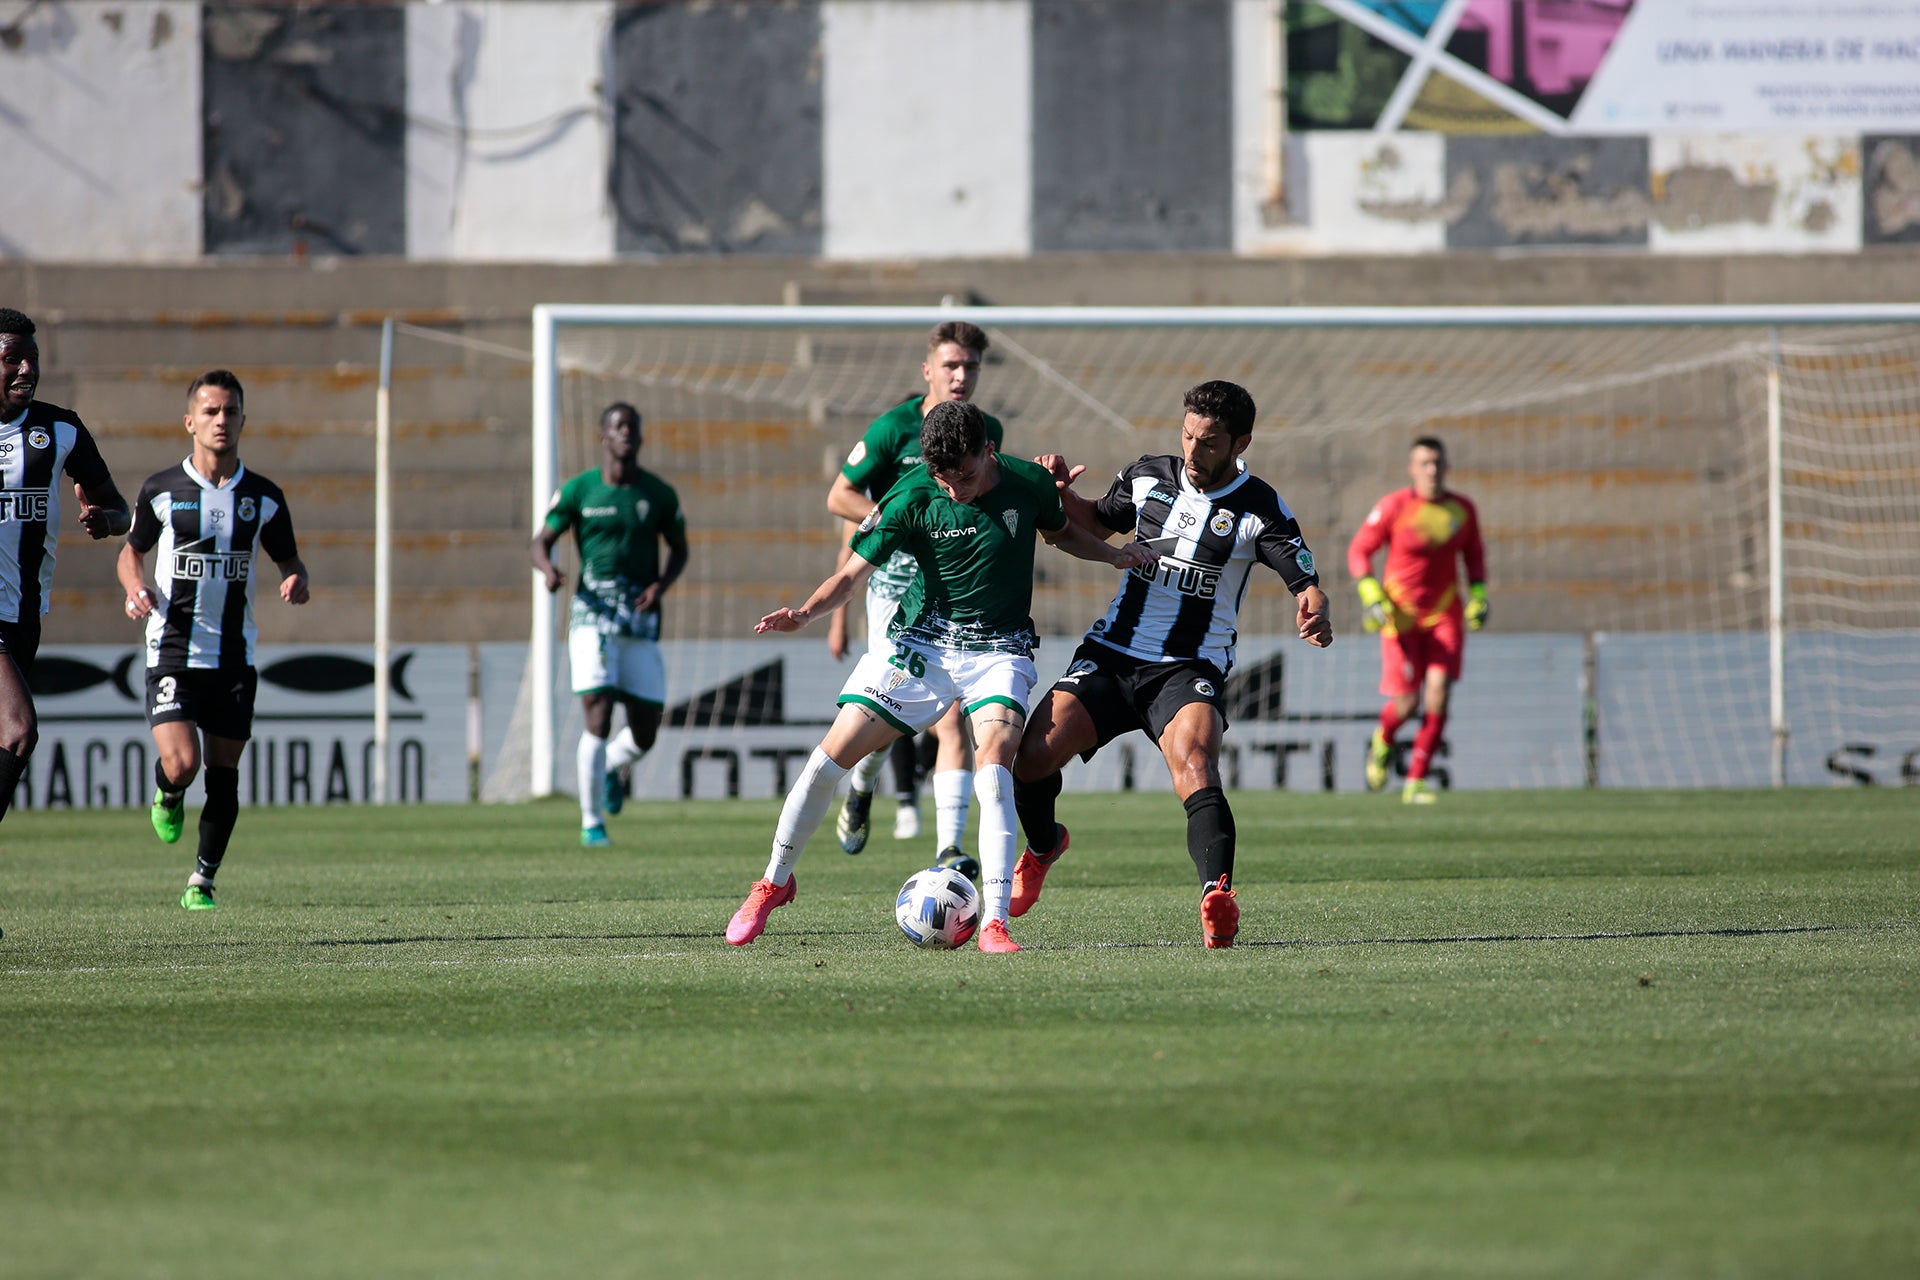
[(584, 130)]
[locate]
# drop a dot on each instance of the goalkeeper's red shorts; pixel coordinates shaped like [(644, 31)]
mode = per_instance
[(1406, 656)]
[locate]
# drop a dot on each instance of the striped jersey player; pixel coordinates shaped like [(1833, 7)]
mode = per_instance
[(1159, 658), (39, 444), (204, 520)]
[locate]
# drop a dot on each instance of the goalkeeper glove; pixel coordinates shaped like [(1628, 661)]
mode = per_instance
[(1476, 606), (1373, 604)]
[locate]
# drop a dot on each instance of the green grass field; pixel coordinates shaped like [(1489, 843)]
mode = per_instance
[(1576, 1034)]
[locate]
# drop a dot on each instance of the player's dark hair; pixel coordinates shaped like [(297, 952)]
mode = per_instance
[(966, 334), (12, 321), (954, 431), (1224, 403), (225, 380), (620, 406), (1429, 442)]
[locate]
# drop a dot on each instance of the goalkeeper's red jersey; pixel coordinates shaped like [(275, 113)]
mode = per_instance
[(1424, 542)]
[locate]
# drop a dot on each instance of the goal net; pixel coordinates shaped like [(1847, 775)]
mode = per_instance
[(1700, 522)]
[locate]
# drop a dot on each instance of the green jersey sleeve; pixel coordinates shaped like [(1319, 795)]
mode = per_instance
[(563, 513)]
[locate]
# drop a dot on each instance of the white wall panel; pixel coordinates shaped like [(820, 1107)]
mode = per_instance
[(100, 110), (507, 145), (928, 128)]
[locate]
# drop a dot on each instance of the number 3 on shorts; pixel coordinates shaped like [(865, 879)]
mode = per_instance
[(914, 664)]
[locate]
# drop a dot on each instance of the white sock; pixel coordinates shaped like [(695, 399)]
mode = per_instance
[(800, 816), (589, 766), (622, 750), (997, 823), (952, 794), (867, 772)]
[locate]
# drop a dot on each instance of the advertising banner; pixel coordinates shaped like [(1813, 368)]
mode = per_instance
[(1606, 66), (312, 728)]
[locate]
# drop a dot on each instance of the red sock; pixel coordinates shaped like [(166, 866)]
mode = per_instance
[(1424, 743), (1390, 721)]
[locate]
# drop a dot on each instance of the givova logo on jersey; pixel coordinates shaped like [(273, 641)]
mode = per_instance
[(29, 505)]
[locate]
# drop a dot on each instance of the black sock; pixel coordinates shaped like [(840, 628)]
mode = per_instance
[(1033, 801), (11, 767), (170, 795), (1210, 835), (906, 783), (217, 818)]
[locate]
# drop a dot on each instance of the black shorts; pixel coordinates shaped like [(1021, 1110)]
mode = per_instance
[(21, 642), (1122, 694), (218, 699)]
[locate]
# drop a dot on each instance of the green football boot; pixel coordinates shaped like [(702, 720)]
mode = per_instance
[(168, 823), (1379, 755), (198, 897)]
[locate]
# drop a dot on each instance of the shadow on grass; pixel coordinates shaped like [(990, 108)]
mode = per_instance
[(1494, 937)]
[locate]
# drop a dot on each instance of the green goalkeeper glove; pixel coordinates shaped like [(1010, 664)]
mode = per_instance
[(1476, 606), (1373, 604)]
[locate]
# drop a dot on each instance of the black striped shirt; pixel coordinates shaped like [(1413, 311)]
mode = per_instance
[(34, 449), (1187, 607), (206, 535)]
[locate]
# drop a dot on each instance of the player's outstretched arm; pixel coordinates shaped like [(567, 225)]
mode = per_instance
[(1079, 510), (293, 580), (1078, 542), (826, 597), (1310, 611)]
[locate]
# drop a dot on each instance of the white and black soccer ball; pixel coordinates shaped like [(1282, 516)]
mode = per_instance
[(938, 908)]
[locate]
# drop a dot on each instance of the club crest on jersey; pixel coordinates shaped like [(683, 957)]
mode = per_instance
[(247, 508), (1012, 521), (895, 678), (1222, 522), (38, 438)]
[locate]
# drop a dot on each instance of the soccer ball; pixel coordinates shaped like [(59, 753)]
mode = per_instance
[(938, 908)]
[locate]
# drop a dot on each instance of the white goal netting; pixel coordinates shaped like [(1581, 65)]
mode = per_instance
[(1622, 473)]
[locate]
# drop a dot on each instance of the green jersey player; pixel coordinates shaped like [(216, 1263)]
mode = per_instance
[(964, 636), (619, 514), (889, 449)]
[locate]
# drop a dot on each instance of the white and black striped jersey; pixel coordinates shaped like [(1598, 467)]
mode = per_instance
[(34, 449), (203, 574), (1186, 607)]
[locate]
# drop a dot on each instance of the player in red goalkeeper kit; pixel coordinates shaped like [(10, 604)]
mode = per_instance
[(1419, 610)]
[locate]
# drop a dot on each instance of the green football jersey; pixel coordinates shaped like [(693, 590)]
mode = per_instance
[(974, 589), (889, 449), (618, 528)]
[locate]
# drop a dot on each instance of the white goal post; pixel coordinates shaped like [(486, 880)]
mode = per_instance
[(1685, 488)]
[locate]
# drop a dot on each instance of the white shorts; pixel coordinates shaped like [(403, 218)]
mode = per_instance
[(604, 663), (910, 702), (880, 614)]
